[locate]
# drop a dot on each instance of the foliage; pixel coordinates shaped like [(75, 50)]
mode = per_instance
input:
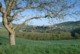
[(44, 36), (14, 8), (44, 32), (55, 35)]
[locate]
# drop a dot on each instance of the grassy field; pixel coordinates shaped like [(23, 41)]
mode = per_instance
[(25, 46)]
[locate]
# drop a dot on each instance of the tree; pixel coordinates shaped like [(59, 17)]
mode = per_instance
[(51, 8)]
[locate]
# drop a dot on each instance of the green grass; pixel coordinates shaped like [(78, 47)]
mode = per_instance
[(25, 46)]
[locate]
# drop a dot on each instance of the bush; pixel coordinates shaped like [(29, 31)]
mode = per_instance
[(44, 36)]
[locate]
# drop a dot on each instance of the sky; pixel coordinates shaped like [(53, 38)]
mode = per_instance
[(45, 21)]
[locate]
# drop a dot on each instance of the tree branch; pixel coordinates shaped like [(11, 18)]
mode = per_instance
[(27, 20), (10, 6), (21, 10), (1, 8), (29, 7), (5, 23)]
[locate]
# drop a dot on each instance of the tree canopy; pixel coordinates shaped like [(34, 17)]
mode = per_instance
[(12, 9), (51, 8)]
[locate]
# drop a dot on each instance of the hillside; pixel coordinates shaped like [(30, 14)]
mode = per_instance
[(68, 26), (67, 30), (25, 46), (70, 23)]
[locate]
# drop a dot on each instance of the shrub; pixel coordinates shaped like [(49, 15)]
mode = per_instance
[(44, 36)]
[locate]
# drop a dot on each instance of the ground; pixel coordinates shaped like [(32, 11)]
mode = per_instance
[(25, 46)]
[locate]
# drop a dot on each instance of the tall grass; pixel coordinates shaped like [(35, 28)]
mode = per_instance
[(25, 46), (38, 45), (55, 49)]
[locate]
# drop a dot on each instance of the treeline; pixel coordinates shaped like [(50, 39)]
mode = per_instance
[(69, 30), (54, 35), (66, 26), (44, 36), (48, 36), (56, 32)]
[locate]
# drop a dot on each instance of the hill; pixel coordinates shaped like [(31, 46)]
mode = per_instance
[(67, 30), (66, 26), (70, 23)]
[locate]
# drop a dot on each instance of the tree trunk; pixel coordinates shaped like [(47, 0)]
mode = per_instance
[(7, 23), (12, 38)]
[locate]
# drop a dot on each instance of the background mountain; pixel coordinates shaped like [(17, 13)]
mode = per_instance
[(66, 30), (66, 26), (69, 24)]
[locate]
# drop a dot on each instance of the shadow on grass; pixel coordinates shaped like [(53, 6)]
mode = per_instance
[(4, 40), (75, 33)]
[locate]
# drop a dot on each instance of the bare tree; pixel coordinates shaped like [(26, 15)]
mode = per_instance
[(52, 9)]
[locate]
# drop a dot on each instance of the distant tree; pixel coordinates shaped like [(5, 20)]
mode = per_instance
[(11, 10)]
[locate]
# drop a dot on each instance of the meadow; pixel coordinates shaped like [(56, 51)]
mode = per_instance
[(28, 46)]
